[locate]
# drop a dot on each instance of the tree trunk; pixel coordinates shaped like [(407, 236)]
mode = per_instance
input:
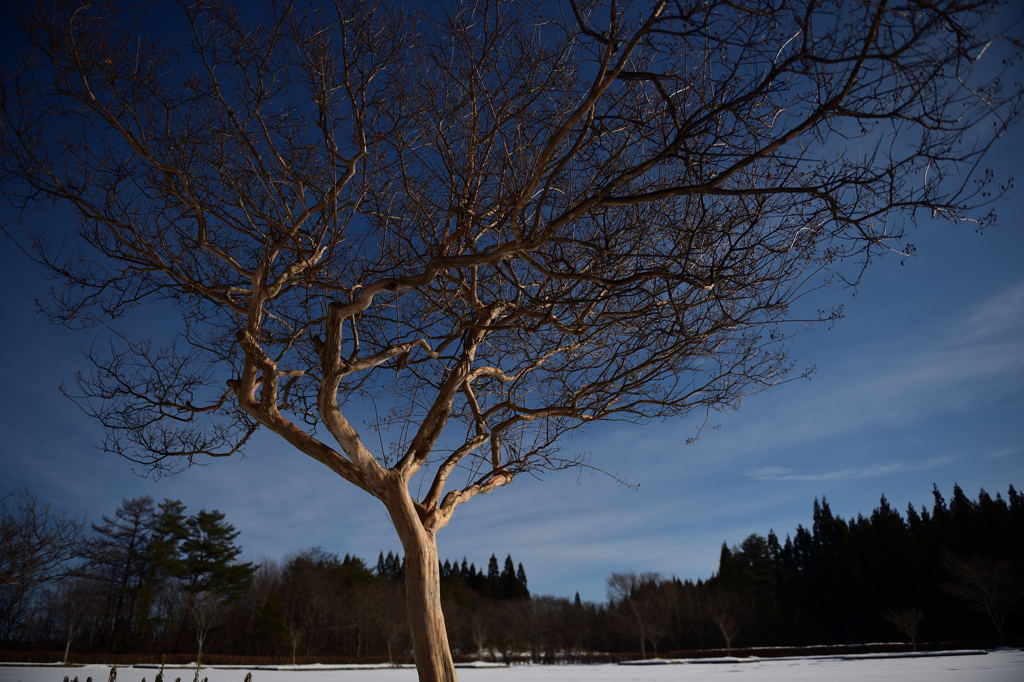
[(422, 591), (479, 636)]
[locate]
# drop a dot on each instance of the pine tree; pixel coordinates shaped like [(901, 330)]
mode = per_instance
[(208, 556), (774, 548), (939, 509), (477, 580), (1015, 500), (117, 560), (724, 560), (492, 586), (169, 530), (353, 570), (393, 567), (507, 581), (210, 573), (914, 520)]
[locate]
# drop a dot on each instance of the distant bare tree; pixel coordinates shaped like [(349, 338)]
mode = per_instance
[(206, 610), (728, 611), (72, 602), (907, 620), (477, 626), (990, 586), (645, 608), (35, 547), (547, 626), (382, 604), (505, 219)]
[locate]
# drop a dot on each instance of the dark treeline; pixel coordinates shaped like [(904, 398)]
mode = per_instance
[(955, 569), (153, 579), (952, 572)]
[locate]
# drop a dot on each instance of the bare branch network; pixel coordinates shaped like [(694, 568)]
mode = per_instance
[(504, 220)]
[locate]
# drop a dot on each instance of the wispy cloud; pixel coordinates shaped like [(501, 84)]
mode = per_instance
[(997, 315), (777, 473), (943, 371), (1003, 453)]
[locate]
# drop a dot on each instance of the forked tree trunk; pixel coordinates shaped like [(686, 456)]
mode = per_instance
[(422, 592)]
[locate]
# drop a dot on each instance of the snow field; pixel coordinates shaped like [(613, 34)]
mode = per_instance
[(996, 666)]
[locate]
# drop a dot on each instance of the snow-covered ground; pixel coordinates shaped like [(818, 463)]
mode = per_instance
[(996, 666)]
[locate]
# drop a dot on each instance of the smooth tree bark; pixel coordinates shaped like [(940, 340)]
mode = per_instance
[(422, 586), (502, 221)]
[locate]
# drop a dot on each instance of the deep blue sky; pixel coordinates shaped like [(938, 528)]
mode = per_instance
[(921, 383)]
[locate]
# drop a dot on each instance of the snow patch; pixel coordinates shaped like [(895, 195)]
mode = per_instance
[(685, 661), (1003, 665)]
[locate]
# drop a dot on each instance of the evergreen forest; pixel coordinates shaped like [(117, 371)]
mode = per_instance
[(156, 582)]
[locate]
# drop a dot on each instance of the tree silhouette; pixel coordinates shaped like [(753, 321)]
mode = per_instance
[(990, 586), (908, 621), (642, 605), (35, 546)]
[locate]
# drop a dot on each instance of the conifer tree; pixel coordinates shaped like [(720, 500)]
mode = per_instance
[(169, 530), (209, 572), (209, 556), (521, 579), (117, 560), (507, 582), (493, 581), (939, 508)]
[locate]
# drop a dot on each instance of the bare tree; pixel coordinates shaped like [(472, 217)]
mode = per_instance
[(35, 547), (206, 609), (506, 220), (729, 611), (644, 606), (546, 625), (908, 621), (990, 586), (380, 606), (73, 602)]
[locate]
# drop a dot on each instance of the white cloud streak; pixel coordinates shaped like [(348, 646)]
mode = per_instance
[(777, 473), (974, 362), (1000, 314)]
